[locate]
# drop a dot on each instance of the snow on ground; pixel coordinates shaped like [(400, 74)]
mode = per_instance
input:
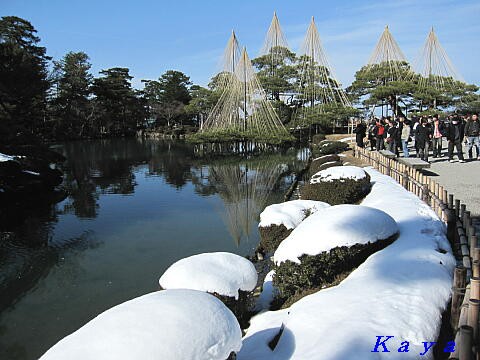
[(400, 291), (348, 139), (268, 292), (4, 157), (339, 225), (338, 173), (219, 272), (170, 325), (289, 213)]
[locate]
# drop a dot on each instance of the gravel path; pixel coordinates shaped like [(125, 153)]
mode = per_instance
[(460, 179)]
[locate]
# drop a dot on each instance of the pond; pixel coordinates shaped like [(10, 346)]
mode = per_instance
[(134, 207)]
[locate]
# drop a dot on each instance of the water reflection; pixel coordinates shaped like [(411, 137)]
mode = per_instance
[(134, 207)]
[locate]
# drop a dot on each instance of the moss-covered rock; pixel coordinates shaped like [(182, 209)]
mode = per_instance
[(337, 191), (327, 147), (317, 271)]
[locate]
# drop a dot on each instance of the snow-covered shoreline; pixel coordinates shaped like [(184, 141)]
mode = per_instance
[(399, 291)]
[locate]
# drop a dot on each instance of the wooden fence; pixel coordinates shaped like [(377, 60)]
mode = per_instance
[(464, 311)]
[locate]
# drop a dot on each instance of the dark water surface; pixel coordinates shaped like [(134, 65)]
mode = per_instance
[(135, 207)]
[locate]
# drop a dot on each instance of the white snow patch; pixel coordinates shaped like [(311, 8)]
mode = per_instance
[(289, 213), (31, 172), (348, 139), (268, 293), (399, 291), (4, 157), (339, 225), (170, 325), (338, 173), (220, 272)]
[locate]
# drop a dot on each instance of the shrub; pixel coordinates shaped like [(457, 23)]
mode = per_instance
[(327, 147), (241, 307), (317, 271), (335, 192), (316, 139), (271, 236)]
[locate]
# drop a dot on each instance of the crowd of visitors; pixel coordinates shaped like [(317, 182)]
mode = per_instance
[(424, 134)]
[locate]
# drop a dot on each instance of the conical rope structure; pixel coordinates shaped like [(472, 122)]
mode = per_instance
[(230, 58), (387, 52), (275, 42), (318, 85), (434, 66), (242, 108)]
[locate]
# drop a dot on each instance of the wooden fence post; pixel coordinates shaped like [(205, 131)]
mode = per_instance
[(457, 296), (465, 343)]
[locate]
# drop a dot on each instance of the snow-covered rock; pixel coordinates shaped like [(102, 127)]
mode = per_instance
[(400, 291), (338, 173), (4, 157), (220, 272), (289, 213), (168, 325), (339, 225)]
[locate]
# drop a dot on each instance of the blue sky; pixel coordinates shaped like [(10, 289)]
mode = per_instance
[(150, 37)]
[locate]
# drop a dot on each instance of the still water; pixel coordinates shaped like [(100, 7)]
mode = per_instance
[(134, 208)]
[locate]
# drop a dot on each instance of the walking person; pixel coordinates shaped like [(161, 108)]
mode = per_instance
[(371, 134), (391, 136), (404, 135), (437, 137), (416, 123), (455, 134), (360, 131), (472, 134), (422, 138), (379, 135)]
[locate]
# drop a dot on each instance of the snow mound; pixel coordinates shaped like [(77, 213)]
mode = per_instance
[(338, 173), (400, 291), (220, 272), (170, 325), (4, 157), (289, 213), (339, 225)]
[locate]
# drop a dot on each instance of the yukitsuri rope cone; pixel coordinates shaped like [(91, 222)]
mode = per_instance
[(275, 41), (434, 66), (318, 86), (388, 52), (231, 56), (243, 109)]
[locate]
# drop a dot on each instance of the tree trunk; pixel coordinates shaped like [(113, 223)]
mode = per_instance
[(392, 101)]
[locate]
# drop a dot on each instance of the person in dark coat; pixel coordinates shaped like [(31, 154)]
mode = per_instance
[(391, 136), (454, 134), (371, 135), (422, 138), (360, 131), (472, 134)]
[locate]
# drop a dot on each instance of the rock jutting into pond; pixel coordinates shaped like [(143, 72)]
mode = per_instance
[(170, 325), (30, 176)]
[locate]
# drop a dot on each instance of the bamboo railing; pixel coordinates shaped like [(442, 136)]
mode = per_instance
[(464, 314)]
